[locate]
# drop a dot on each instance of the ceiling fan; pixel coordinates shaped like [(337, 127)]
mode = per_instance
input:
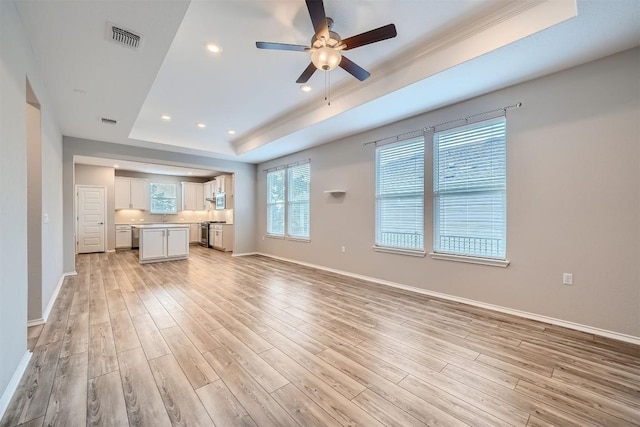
[(327, 46)]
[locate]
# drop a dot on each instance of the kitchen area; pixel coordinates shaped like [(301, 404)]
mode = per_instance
[(161, 211)]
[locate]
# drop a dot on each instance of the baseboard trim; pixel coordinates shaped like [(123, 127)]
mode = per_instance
[(35, 322), (246, 254), (110, 251), (525, 314), (47, 311), (14, 382)]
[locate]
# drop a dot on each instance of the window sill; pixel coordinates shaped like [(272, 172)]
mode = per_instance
[(471, 260), (294, 239), (399, 251)]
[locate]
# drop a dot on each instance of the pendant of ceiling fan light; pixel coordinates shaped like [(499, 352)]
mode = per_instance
[(326, 58)]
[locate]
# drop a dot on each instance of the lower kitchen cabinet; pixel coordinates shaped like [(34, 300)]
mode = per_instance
[(163, 244)]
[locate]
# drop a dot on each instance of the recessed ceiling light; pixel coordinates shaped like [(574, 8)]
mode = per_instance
[(190, 173), (116, 166), (213, 48), (201, 125), (231, 132), (165, 117), (305, 88)]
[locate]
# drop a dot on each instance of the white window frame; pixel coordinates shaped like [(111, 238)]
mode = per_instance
[(286, 234), (462, 255), (379, 245), (175, 199)]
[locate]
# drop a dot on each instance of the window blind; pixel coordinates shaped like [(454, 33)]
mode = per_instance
[(299, 178), (470, 190), (400, 195), (276, 202)]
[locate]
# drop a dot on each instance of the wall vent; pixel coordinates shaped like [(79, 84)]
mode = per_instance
[(123, 37), (108, 121)]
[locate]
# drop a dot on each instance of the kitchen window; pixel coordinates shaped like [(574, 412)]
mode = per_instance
[(288, 196), (469, 190), (400, 197), (163, 198)]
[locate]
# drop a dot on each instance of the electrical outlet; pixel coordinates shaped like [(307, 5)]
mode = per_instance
[(263, 237), (343, 249), (567, 279)]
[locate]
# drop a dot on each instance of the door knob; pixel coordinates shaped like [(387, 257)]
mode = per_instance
[(101, 223)]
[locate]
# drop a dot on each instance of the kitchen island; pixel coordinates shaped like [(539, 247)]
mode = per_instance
[(163, 242)]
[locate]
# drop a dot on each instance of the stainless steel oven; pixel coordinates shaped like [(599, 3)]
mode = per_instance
[(204, 234)]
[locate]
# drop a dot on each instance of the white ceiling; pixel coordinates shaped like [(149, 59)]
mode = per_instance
[(446, 51)]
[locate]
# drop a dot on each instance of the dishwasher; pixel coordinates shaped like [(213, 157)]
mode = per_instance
[(135, 237)]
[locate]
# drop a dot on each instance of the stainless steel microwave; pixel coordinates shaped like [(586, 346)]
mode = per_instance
[(221, 201)]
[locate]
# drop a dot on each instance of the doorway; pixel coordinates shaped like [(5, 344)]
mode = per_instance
[(91, 203)]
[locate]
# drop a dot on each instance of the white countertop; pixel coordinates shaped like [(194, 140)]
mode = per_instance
[(166, 225)]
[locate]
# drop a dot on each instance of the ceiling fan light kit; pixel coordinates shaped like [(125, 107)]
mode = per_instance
[(327, 46)]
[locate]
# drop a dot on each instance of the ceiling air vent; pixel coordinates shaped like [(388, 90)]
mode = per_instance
[(108, 121), (123, 37)]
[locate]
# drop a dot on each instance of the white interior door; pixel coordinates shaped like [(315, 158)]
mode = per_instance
[(91, 218)]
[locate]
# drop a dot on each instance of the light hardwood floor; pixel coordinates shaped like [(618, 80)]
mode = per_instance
[(256, 342)]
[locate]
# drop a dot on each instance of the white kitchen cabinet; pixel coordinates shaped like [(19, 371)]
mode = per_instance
[(194, 233), (220, 184), (131, 193), (177, 242), (163, 244), (207, 193), (192, 196), (222, 236), (123, 236)]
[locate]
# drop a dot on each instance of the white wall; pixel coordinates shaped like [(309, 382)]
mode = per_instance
[(573, 201), (16, 65)]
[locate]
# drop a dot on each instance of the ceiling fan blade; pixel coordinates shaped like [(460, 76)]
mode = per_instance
[(306, 74), (282, 46), (318, 18), (373, 36), (354, 69)]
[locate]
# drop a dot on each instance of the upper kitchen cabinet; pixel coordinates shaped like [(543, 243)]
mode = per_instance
[(208, 193), (219, 184), (131, 193), (222, 184), (192, 196)]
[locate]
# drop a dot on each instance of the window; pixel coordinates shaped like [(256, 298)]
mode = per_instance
[(400, 195), (288, 201), (163, 198), (469, 190), (298, 179), (275, 202)]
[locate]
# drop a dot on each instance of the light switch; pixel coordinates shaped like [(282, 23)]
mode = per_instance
[(45, 218)]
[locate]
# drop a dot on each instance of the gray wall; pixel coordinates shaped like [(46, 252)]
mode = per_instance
[(104, 177), (34, 212), (244, 179), (16, 65), (573, 202)]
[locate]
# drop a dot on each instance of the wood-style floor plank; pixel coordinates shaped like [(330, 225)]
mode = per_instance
[(102, 350), (198, 371), (257, 402), (150, 337), (68, 401), (222, 406), (141, 396), (105, 405), (180, 400), (254, 341)]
